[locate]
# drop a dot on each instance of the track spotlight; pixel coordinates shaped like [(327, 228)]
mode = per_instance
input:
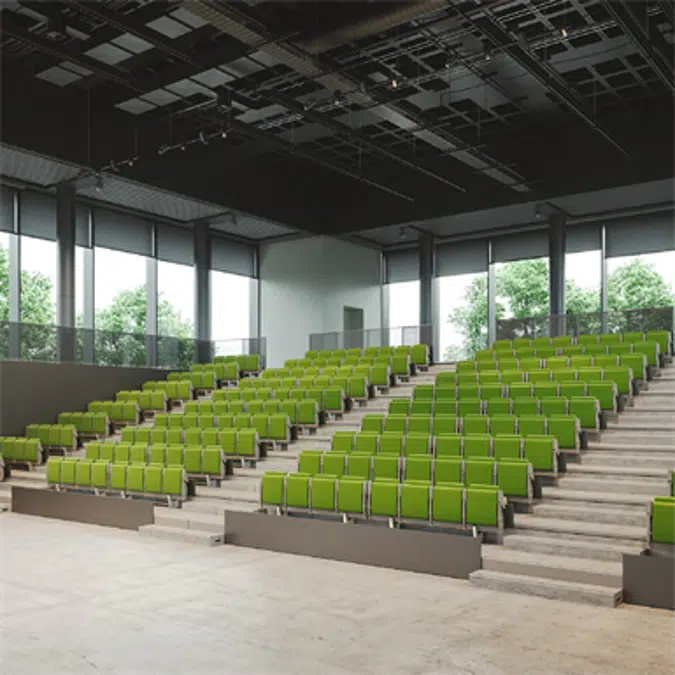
[(394, 83), (164, 149), (337, 97), (403, 233), (223, 134), (131, 162), (537, 210), (487, 50), (202, 137), (113, 167), (563, 32), (182, 147), (99, 183), (310, 104)]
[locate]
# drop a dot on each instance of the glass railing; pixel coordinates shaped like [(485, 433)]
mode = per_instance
[(373, 337), (56, 344), (630, 320)]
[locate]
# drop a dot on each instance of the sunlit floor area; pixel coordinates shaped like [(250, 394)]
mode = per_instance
[(83, 599)]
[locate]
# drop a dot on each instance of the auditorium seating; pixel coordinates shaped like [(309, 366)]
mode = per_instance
[(61, 437), (662, 521), (241, 443), (541, 450), (204, 462), (514, 476), (418, 502), (21, 450), (165, 483)]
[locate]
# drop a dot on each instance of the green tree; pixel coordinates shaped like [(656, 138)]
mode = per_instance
[(523, 291)]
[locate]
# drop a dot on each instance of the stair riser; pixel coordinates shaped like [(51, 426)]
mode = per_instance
[(631, 427), (638, 439), (636, 475), (565, 548), (191, 524), (185, 536), (637, 517), (607, 599), (636, 542), (652, 488), (626, 460), (545, 572), (580, 497)]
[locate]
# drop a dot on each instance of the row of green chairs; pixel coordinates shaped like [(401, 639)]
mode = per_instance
[(273, 427), (86, 424), (541, 451), (248, 363), (116, 411), (513, 476), (133, 480), (153, 400), (416, 502), (378, 375), (331, 399), (449, 401), (268, 406), (235, 443), (57, 436), (209, 462), (419, 354), (565, 428), (662, 521), (663, 337), (175, 391), (585, 408), (218, 373), (355, 387), (21, 450)]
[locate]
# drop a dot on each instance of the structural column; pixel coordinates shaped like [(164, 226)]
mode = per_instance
[(202, 251), (65, 280), (556, 253), (427, 260)]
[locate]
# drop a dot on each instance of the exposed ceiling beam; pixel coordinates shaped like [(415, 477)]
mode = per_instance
[(633, 20), (11, 27), (666, 6), (544, 74)]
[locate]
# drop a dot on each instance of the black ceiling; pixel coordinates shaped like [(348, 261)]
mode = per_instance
[(342, 116)]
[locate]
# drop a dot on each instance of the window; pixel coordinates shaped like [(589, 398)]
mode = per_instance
[(79, 285), (522, 289), (583, 299), (230, 312), (641, 282), (4, 276), (120, 306), (404, 311), (463, 303), (38, 299), (176, 300)]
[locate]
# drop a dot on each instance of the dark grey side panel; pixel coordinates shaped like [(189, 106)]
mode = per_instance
[(649, 580)]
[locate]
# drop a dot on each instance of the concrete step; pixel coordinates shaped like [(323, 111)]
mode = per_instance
[(552, 525), (228, 495), (619, 446), (290, 455), (638, 486), (654, 392), (632, 415), (563, 568), (569, 547), (613, 472), (608, 497), (643, 438), (553, 589), (180, 534), (648, 460), (217, 507), (593, 513), (647, 424), (190, 520)]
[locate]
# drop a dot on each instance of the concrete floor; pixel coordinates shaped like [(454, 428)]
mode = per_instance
[(82, 599)]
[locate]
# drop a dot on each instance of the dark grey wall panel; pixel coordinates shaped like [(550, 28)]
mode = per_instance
[(122, 232), (35, 393), (445, 554), (403, 265), (127, 514), (520, 246), (582, 238), (467, 257), (174, 244), (649, 580), (82, 234), (648, 233), (37, 215), (231, 256), (6, 209)]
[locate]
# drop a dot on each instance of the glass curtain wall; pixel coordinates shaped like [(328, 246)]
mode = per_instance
[(4, 276), (404, 309), (230, 312)]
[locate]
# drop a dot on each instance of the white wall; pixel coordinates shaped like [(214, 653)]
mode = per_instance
[(305, 285)]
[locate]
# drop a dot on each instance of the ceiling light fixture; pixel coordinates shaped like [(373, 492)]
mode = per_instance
[(182, 147), (202, 137), (563, 32), (223, 134), (394, 83), (537, 210), (99, 183), (337, 97), (403, 233)]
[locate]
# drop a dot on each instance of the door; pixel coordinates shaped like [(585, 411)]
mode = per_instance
[(353, 328)]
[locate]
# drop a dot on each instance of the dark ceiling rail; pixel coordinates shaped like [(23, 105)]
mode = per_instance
[(545, 75), (650, 43)]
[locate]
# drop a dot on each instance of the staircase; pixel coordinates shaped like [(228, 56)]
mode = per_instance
[(201, 520), (571, 546)]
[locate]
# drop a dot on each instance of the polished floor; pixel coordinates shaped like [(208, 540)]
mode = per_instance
[(82, 599)]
